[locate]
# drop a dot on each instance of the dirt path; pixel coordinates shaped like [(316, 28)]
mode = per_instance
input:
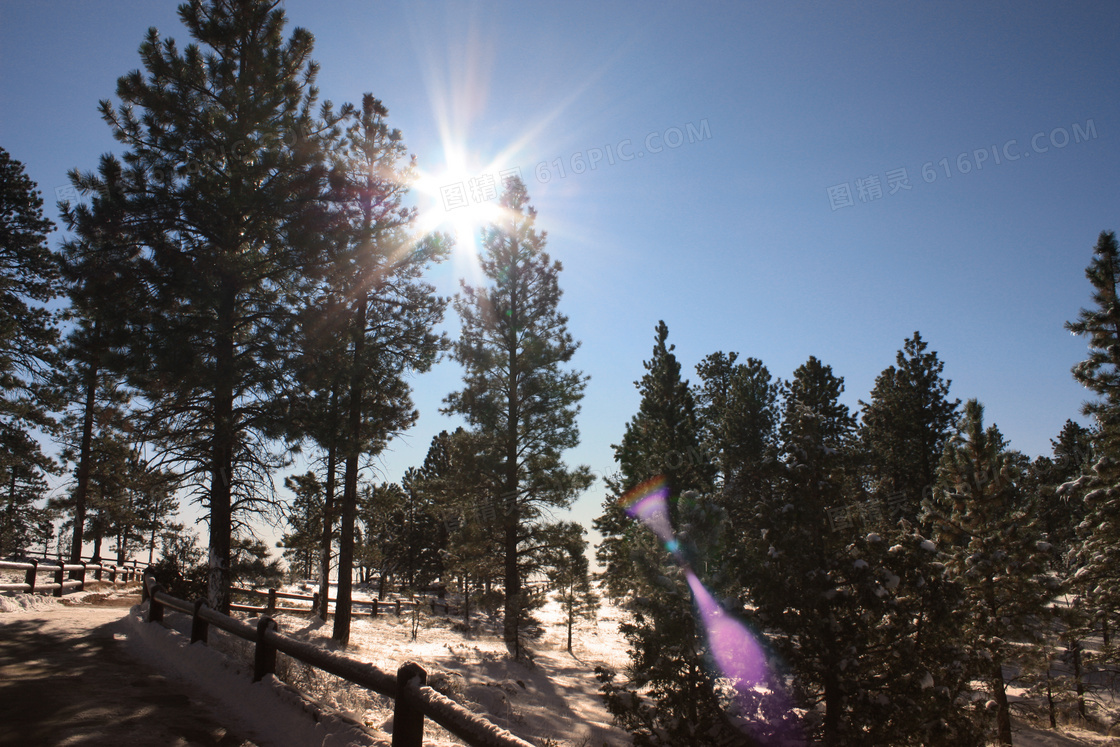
[(65, 680)]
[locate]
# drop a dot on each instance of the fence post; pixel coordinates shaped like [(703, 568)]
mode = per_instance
[(29, 579), (374, 607), (408, 718), (264, 660), (315, 604), (272, 601), (398, 607), (59, 577), (200, 629), (155, 609), (82, 576)]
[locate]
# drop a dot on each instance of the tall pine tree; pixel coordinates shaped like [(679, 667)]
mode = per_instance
[(375, 265), (905, 427), (670, 694), (29, 280), (514, 348), (104, 294), (1100, 373), (223, 180), (984, 526)]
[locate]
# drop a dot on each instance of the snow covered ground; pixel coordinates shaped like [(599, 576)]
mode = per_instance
[(554, 697)]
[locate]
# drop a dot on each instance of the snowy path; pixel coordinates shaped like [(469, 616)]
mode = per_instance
[(66, 680)]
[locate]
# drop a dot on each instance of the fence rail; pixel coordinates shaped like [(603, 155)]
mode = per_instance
[(60, 583), (414, 700), (375, 606)]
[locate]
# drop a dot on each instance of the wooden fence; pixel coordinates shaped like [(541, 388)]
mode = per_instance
[(414, 701), (374, 606), (60, 584)]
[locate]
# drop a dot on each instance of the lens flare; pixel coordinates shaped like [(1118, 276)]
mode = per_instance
[(648, 504), (736, 651), (738, 655)]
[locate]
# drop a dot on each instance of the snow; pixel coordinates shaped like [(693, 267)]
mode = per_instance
[(928, 546), (15, 602), (271, 711), (554, 696)]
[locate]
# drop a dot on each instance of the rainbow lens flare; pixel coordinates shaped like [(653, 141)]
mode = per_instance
[(648, 504)]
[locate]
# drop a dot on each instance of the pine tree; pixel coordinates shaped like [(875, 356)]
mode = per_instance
[(379, 537), (513, 347), (375, 265), (569, 574), (29, 280), (985, 529), (739, 414), (24, 522), (663, 438), (156, 499), (1099, 555), (96, 264), (905, 427), (423, 535), (800, 597), (315, 406), (670, 694), (223, 178), (305, 517), (458, 476)]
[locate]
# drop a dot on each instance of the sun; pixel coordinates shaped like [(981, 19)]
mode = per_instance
[(462, 197)]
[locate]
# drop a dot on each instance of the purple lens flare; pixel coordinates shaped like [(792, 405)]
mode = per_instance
[(736, 651)]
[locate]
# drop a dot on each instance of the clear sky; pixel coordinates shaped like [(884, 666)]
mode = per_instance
[(776, 179)]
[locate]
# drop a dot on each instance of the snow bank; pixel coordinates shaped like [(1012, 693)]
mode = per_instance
[(25, 602), (269, 710)]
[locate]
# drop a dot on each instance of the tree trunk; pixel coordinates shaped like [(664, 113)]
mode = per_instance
[(82, 488), (97, 535), (341, 632), (512, 617), (328, 514), (1003, 710), (1050, 699), (831, 707), (467, 600), (571, 615), (11, 515), (511, 623), (1077, 678), (221, 461)]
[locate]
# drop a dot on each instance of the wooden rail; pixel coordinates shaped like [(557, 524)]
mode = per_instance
[(272, 595), (60, 584), (414, 701)]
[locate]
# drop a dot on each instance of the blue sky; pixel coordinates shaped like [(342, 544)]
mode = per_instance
[(979, 145)]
